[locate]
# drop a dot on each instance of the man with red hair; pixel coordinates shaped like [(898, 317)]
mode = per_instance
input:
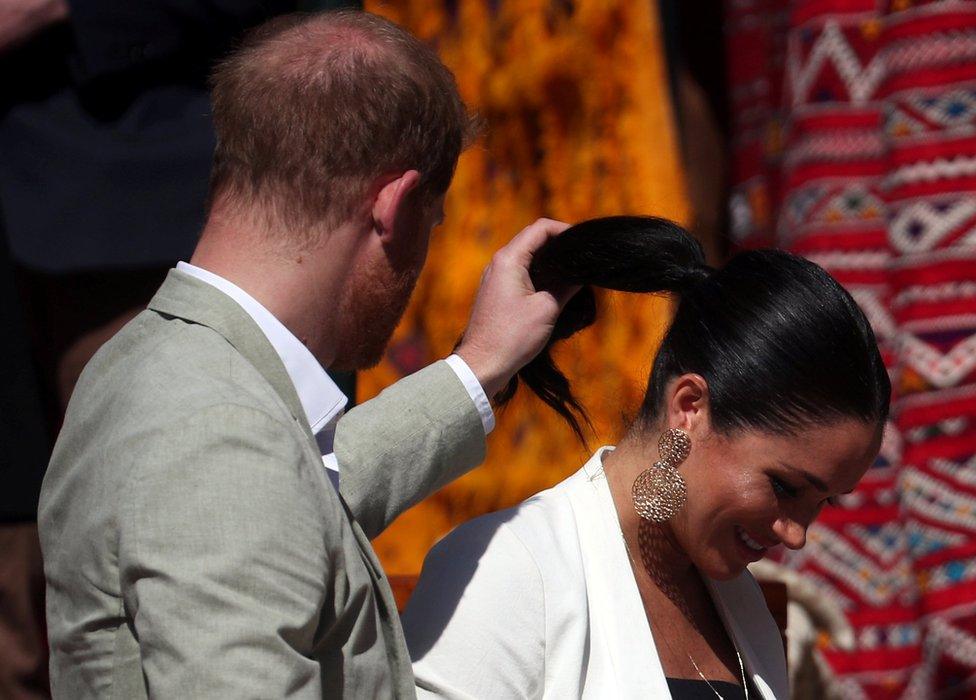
[(206, 516)]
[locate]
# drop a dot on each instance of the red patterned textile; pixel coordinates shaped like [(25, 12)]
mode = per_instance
[(855, 145)]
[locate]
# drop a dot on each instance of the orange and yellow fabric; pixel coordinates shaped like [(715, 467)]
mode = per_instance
[(579, 124)]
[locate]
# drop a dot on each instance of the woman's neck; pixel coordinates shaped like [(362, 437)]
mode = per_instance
[(653, 546)]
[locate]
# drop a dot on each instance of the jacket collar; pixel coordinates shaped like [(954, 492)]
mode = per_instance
[(618, 605), (183, 296)]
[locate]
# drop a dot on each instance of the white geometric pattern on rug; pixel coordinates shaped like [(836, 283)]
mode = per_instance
[(942, 428), (963, 472), (921, 226), (941, 48), (898, 123), (887, 542), (882, 322), (924, 539), (949, 109), (937, 501), (861, 81), (931, 293), (940, 370), (833, 553), (930, 171), (858, 260)]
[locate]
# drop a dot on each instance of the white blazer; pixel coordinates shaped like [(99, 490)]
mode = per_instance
[(540, 601)]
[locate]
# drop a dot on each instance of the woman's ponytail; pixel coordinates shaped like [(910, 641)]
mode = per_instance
[(622, 253)]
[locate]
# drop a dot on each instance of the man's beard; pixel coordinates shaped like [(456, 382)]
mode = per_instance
[(368, 315)]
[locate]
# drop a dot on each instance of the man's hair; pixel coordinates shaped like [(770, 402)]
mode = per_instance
[(309, 109)]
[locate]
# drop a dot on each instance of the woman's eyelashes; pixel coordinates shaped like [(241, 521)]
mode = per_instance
[(783, 489)]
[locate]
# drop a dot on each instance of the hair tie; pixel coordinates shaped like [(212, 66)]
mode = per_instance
[(695, 275)]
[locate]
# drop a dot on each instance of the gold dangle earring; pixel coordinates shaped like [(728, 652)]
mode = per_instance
[(659, 492)]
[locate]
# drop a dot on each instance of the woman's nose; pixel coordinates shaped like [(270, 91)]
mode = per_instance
[(791, 533)]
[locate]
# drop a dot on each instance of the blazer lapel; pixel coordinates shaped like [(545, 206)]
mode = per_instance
[(613, 597), (186, 297), (740, 605)]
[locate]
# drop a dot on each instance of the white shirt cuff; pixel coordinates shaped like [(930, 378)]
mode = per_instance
[(475, 391)]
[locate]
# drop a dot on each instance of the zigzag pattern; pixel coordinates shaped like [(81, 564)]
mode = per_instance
[(949, 574), (898, 123), (964, 472), (924, 540), (846, 564), (930, 171), (861, 81), (932, 498), (939, 369), (853, 203), (934, 293), (909, 67), (887, 542)]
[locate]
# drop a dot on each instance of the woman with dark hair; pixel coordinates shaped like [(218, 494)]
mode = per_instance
[(766, 401)]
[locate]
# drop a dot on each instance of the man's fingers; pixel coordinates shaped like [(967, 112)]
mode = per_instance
[(553, 301), (564, 294), (533, 237)]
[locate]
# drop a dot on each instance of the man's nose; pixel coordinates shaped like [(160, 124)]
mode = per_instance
[(791, 533)]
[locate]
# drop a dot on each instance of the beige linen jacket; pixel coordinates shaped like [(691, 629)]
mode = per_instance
[(193, 544)]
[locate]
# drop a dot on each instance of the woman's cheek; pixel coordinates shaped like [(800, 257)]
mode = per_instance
[(759, 502)]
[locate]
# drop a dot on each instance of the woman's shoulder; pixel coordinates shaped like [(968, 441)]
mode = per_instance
[(510, 575), (531, 532), (512, 554)]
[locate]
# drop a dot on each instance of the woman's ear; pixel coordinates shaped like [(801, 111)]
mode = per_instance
[(391, 200), (688, 405)]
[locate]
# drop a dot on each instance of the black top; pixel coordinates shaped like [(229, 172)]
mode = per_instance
[(687, 689), (105, 131)]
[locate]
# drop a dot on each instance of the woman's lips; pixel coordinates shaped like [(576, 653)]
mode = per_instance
[(751, 549)]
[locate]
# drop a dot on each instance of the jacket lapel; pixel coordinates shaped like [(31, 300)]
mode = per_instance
[(615, 601), (743, 610), (613, 597), (186, 297)]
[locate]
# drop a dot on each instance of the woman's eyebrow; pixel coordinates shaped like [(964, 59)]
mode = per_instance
[(810, 478)]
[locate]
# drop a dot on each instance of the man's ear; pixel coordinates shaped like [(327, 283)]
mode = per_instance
[(391, 200)]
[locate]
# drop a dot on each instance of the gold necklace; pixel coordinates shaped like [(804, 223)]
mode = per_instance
[(742, 669)]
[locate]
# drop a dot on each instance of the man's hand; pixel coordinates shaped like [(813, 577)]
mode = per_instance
[(511, 320), (22, 19)]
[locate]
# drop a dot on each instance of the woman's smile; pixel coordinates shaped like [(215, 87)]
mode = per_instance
[(750, 549)]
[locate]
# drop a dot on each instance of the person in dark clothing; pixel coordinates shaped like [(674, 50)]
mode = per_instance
[(24, 449)]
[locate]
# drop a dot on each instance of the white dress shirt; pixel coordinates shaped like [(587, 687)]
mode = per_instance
[(323, 401)]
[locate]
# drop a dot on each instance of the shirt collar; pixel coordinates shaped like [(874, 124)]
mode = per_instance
[(321, 399)]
